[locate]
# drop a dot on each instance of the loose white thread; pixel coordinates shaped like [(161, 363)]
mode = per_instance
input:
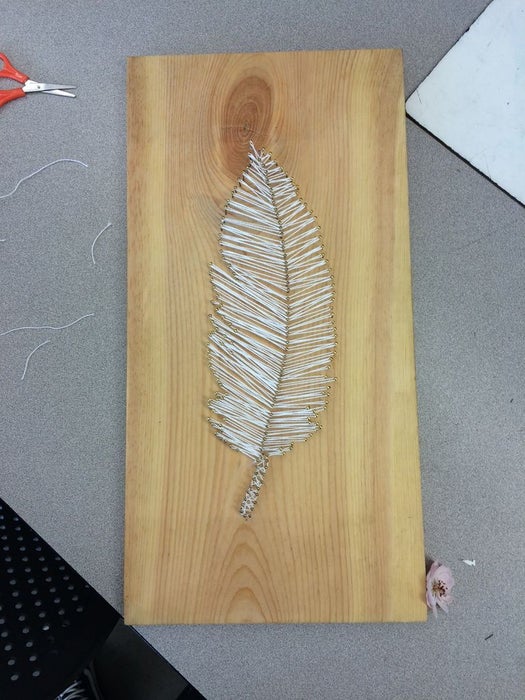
[(30, 356), (44, 167), (41, 328), (96, 239)]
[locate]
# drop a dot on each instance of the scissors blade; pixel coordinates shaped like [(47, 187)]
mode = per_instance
[(33, 86), (63, 93)]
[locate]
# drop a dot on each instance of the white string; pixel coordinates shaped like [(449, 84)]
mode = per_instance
[(44, 167), (252, 493), (96, 239), (73, 692), (30, 356), (40, 328), (273, 337)]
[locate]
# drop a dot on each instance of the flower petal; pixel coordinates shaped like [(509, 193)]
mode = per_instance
[(442, 604), (432, 571), (431, 599), (443, 573)]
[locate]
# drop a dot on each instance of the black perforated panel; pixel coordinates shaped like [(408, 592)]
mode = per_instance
[(51, 620)]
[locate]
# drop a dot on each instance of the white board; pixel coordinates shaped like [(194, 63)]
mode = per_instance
[(474, 99)]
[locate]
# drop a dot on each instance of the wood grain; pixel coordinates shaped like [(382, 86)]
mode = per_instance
[(337, 535)]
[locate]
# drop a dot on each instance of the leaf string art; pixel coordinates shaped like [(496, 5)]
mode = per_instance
[(273, 336)]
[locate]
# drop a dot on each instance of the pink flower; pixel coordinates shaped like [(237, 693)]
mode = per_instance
[(439, 585)]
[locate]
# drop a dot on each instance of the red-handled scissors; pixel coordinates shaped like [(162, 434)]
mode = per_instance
[(9, 71)]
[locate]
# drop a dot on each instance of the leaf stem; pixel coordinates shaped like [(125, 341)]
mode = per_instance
[(252, 493)]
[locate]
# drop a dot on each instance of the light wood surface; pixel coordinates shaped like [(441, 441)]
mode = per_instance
[(337, 535)]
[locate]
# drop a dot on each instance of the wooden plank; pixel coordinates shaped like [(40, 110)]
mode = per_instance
[(337, 535)]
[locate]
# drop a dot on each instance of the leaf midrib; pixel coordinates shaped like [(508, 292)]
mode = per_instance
[(287, 306)]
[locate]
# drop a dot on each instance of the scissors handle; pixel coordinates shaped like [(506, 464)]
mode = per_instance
[(9, 71), (8, 95)]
